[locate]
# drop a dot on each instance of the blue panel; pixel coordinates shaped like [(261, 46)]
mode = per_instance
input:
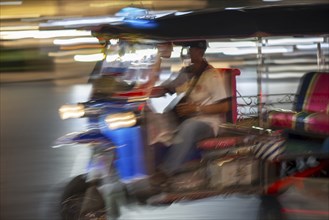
[(130, 161), (141, 23)]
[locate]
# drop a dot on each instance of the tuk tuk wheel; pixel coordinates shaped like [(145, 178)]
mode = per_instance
[(74, 198)]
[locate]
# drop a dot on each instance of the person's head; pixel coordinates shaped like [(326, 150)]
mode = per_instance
[(197, 50), (165, 49)]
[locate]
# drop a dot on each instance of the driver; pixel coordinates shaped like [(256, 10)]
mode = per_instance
[(204, 107)]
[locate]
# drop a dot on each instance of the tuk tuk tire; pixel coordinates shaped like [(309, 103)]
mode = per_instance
[(72, 198), (270, 209), (73, 191), (77, 185)]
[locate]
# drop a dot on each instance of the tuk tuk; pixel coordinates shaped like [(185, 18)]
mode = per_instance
[(269, 143)]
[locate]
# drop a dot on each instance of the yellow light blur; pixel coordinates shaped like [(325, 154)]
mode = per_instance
[(14, 35), (74, 41), (16, 28), (11, 3), (18, 16), (71, 111), (72, 52), (24, 43), (89, 58), (121, 120), (64, 60), (82, 46), (118, 3)]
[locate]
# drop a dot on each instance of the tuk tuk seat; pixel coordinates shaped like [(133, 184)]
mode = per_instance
[(310, 113)]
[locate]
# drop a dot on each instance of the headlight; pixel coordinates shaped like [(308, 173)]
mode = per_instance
[(72, 111), (121, 120)]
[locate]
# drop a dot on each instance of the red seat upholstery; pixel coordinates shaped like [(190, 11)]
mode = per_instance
[(317, 123), (230, 79), (311, 109)]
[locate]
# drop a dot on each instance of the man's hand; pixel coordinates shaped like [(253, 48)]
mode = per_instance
[(186, 109), (158, 91)]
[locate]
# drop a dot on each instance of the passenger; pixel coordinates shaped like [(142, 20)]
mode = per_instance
[(204, 107)]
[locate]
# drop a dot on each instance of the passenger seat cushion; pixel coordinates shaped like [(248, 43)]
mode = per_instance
[(281, 119), (311, 109), (317, 123)]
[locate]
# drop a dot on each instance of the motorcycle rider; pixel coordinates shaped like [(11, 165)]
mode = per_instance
[(204, 109)]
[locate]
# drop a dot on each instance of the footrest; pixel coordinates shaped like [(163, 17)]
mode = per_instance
[(170, 197), (221, 142)]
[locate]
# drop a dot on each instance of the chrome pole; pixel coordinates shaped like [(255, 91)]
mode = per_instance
[(319, 56), (260, 65)]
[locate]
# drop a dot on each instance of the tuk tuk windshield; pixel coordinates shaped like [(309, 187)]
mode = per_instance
[(126, 67)]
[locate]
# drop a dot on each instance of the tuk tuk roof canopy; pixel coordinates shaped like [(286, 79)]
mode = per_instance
[(296, 20)]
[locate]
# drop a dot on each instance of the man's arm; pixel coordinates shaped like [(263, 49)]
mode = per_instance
[(169, 86), (187, 109)]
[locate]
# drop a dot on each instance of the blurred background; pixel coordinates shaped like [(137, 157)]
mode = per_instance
[(41, 40)]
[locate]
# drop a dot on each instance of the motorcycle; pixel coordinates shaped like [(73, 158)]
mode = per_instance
[(244, 160)]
